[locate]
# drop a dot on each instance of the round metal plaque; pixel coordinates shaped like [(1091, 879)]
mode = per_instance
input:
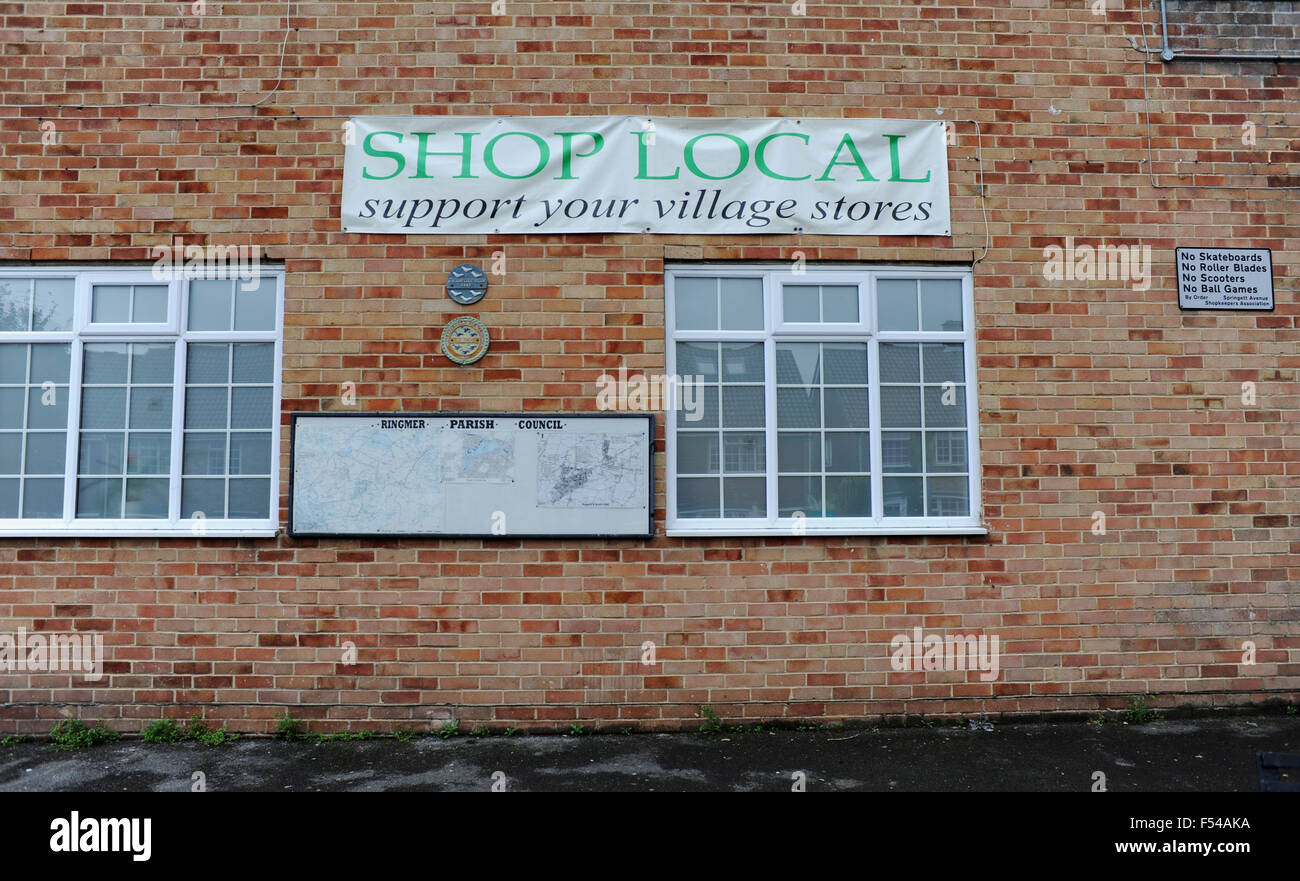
[(466, 284), (465, 340)]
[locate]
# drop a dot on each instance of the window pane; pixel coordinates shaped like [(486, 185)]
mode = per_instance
[(11, 452), (13, 363), (903, 497), (206, 497), (846, 407), (848, 496), (798, 408), (146, 497), (152, 363), (110, 304), (47, 407), (848, 451), (101, 453), (210, 304), (745, 496), (900, 406), (800, 303), (798, 363), (52, 305), (901, 451), (151, 407), (11, 407), (799, 494), (944, 362), (742, 362), (698, 453), (742, 304), (150, 304), (103, 363), (249, 498), (941, 304), (103, 408), (706, 408), (208, 363), (697, 303), (255, 304), (698, 359), (250, 407), (51, 362), (254, 362), (896, 304), (900, 362), (9, 497), (15, 305), (945, 451), (99, 497), (43, 497), (204, 453), (846, 363), (205, 407), (45, 454), (840, 303), (149, 453), (945, 408), (798, 451), (744, 452), (742, 406), (250, 453), (947, 497), (698, 497)]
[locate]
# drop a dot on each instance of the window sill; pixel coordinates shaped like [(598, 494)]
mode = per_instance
[(60, 530), (813, 530)]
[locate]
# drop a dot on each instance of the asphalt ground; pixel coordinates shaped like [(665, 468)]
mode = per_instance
[(1211, 755)]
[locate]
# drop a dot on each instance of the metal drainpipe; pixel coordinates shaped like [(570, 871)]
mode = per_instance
[(1167, 52)]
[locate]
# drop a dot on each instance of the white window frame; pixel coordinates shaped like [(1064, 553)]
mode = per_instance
[(174, 331), (865, 331)]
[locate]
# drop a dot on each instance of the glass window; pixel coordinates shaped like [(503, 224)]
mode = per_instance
[(100, 431), (785, 437)]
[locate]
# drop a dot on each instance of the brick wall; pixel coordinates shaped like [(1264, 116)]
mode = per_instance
[(1093, 396), (1254, 27)]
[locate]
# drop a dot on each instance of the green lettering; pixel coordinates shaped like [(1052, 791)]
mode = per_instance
[(393, 155), (641, 172), (423, 153), (847, 142), (761, 164), (893, 163), (689, 155), (543, 155), (567, 155)]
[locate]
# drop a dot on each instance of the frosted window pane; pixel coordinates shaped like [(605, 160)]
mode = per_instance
[(103, 408), (208, 363), (205, 407), (896, 305), (15, 304), (43, 498), (45, 453), (801, 303), (11, 407), (250, 408), (150, 304), (51, 362), (152, 363), (255, 307), (146, 497), (249, 498), (697, 303), (104, 363), (210, 305), (840, 303), (52, 305), (13, 363), (11, 453), (207, 497), (151, 407), (254, 362), (742, 304), (47, 408), (110, 304)]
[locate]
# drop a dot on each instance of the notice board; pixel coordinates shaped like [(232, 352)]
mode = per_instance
[(503, 475)]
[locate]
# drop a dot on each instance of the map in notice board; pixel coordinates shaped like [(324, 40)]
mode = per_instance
[(472, 474)]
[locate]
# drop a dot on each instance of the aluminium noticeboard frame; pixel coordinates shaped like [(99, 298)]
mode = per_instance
[(648, 418), (1178, 289)]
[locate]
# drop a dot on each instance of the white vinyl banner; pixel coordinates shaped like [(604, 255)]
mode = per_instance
[(556, 174)]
